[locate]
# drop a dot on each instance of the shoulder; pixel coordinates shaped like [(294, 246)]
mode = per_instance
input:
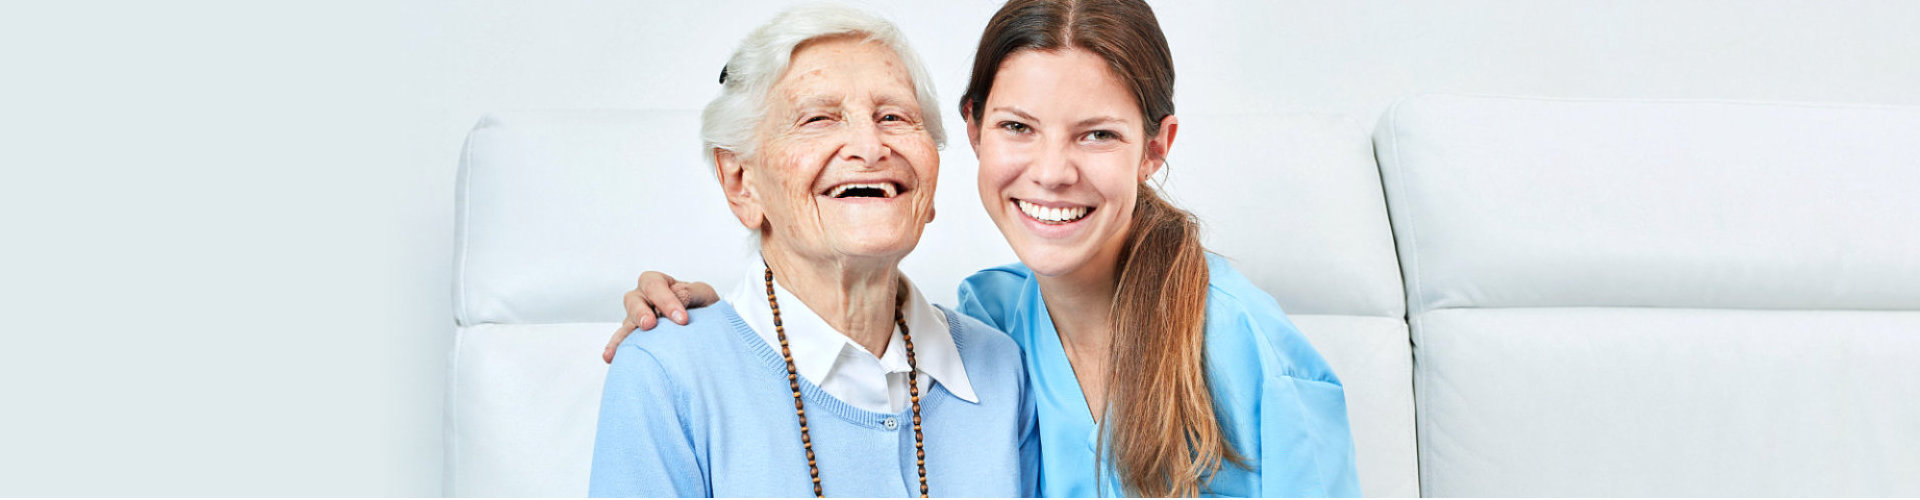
[(709, 332), (1225, 282), (992, 294), (1247, 330), (972, 335), (998, 280), (992, 360)]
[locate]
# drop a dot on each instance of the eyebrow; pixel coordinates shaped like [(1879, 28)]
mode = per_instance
[(1017, 112), (895, 100), (1098, 120), (817, 101)]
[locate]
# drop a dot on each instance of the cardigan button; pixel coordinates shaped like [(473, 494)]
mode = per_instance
[(891, 423)]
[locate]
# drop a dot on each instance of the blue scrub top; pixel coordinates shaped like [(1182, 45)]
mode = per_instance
[(1283, 409)]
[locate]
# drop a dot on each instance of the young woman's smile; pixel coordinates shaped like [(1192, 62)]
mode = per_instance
[(1062, 153)]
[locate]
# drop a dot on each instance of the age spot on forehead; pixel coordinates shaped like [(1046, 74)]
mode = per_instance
[(807, 76)]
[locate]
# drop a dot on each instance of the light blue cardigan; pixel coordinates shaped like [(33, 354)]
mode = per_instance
[(704, 410)]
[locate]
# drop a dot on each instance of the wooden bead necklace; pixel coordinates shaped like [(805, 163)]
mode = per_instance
[(800, 409)]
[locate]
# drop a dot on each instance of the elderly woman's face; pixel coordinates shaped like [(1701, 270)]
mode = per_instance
[(845, 166)]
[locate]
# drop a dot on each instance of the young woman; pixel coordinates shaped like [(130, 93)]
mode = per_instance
[(1157, 369)]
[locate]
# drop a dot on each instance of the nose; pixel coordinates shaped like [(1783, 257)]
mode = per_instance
[(1055, 169), (864, 144)]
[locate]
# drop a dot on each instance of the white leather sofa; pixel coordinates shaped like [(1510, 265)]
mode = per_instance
[(1605, 297)]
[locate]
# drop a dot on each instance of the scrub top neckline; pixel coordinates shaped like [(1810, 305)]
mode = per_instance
[(1060, 367)]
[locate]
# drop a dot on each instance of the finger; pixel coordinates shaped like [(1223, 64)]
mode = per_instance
[(606, 354), (701, 294), (683, 292), (647, 320), (639, 313), (655, 278), (666, 303)]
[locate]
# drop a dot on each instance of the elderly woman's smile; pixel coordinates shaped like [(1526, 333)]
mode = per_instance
[(847, 167)]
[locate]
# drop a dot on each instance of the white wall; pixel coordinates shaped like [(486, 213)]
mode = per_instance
[(227, 225)]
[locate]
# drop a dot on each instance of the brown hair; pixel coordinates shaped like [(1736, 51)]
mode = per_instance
[(1163, 436)]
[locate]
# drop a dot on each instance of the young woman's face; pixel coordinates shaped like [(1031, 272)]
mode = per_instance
[(1062, 151)]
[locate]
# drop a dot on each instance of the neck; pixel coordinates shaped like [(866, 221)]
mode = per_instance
[(1081, 301), (857, 297)]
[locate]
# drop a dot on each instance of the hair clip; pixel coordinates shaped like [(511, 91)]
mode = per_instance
[(723, 75)]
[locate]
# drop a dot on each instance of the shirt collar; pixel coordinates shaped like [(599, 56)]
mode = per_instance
[(933, 346), (817, 346)]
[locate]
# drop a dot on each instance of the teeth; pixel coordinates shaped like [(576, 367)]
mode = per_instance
[(1052, 214), (884, 187)]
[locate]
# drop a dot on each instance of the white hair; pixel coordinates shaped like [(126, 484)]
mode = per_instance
[(730, 119)]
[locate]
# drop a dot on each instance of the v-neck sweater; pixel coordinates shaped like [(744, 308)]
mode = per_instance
[(705, 410)]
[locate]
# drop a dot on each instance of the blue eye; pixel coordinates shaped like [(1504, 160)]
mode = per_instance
[(892, 118)]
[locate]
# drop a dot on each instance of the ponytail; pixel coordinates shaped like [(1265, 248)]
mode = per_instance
[(1164, 435)]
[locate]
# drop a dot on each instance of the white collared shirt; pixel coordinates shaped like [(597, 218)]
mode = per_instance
[(844, 368)]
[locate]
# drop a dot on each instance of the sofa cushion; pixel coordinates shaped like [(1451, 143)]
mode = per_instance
[(1635, 402), (1666, 298), (1509, 202)]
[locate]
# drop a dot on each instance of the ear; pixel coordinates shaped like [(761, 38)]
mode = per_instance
[(1158, 146), (973, 126), (735, 182)]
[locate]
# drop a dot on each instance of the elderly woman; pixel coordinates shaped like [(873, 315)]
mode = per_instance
[(824, 142)]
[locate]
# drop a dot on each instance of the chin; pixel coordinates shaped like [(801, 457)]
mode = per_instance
[(1051, 260), (879, 246)]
